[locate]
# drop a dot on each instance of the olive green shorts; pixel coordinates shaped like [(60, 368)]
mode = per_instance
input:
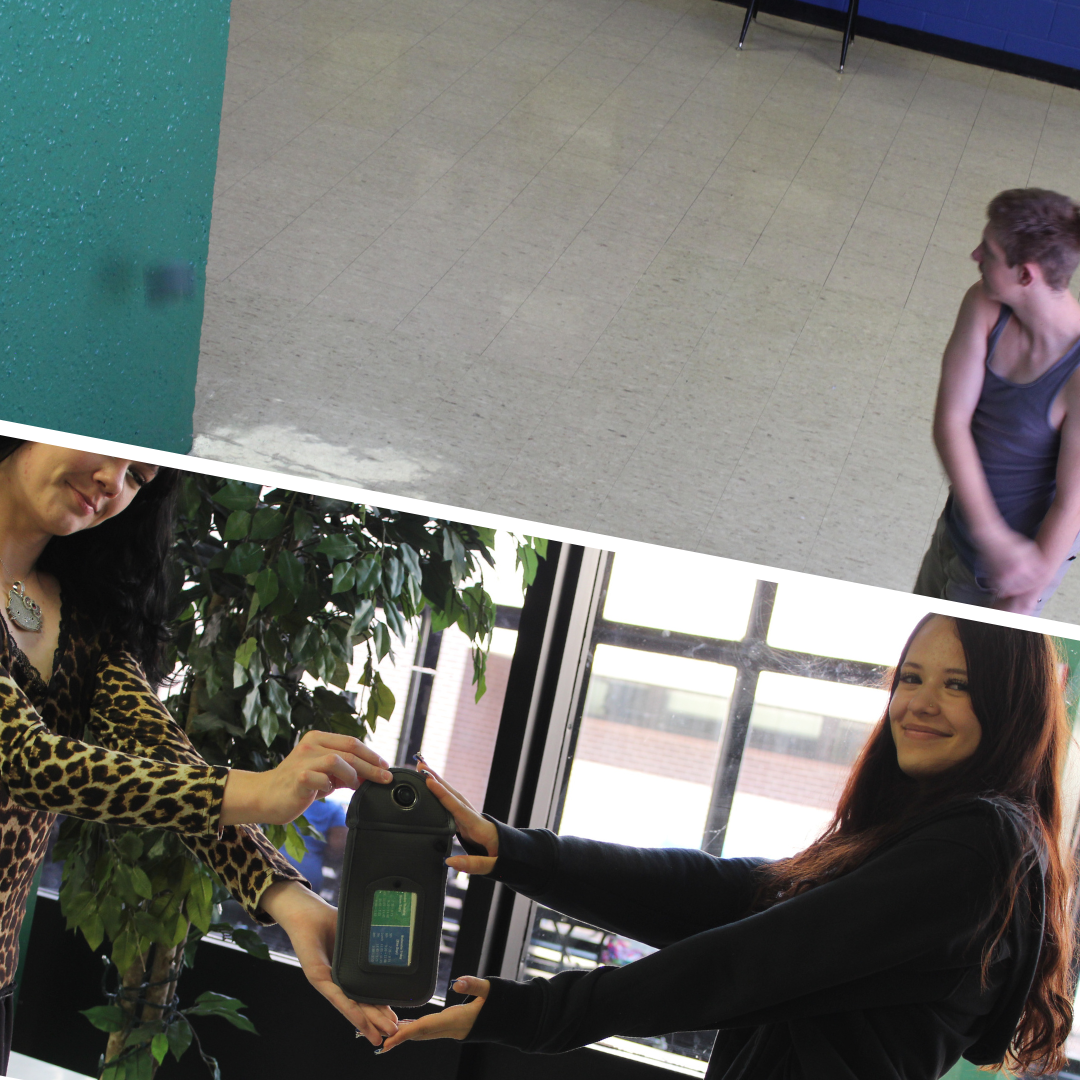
[(945, 576)]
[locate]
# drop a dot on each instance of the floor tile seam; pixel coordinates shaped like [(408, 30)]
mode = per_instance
[(306, 58), (359, 254), (296, 217), (562, 250), (686, 98), (321, 117), (721, 162), (334, 186), (542, 418), (952, 181), (790, 182), (538, 171), (743, 451), (383, 143), (645, 427), (540, 10), (472, 67), (530, 432), (373, 75), (848, 458), (457, 261), (636, 66), (736, 465), (1038, 142), (682, 18)]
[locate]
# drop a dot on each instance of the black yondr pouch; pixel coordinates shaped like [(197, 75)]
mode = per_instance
[(393, 886)]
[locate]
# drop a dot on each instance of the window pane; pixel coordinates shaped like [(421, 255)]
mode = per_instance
[(503, 580), (665, 590), (804, 737), (647, 748), (837, 618), (458, 743), (642, 775)]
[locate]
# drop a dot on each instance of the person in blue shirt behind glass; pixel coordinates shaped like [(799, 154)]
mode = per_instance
[(328, 818)]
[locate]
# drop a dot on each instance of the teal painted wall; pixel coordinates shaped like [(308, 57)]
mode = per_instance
[(109, 118), (964, 1070)]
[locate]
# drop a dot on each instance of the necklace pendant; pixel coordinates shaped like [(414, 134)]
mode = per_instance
[(22, 611)]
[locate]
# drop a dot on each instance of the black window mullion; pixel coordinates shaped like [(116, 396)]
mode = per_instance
[(740, 710), (482, 930), (423, 677)]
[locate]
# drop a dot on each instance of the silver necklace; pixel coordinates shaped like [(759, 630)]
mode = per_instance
[(22, 610)]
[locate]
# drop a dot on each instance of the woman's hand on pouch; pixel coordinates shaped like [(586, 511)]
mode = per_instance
[(311, 924), (453, 1023), (472, 826), (319, 763)]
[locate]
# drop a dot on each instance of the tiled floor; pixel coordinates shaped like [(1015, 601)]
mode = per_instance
[(584, 262)]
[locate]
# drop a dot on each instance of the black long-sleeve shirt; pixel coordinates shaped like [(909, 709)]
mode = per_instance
[(872, 976)]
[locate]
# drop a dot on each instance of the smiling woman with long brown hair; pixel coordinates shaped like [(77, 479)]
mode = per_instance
[(927, 923)]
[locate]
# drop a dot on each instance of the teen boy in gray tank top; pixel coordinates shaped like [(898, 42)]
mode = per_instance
[(1007, 423)]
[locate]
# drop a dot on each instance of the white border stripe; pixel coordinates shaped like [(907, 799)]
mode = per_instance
[(348, 493)]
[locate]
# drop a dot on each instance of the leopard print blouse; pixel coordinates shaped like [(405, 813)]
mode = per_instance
[(142, 772)]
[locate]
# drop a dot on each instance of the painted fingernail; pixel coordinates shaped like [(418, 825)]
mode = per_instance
[(380, 1050)]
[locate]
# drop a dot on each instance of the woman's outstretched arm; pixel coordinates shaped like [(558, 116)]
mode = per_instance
[(912, 912), (127, 714), (654, 895)]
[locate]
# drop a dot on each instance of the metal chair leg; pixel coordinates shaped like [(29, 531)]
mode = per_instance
[(750, 14), (849, 31)]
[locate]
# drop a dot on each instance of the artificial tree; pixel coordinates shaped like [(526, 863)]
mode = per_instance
[(281, 592)]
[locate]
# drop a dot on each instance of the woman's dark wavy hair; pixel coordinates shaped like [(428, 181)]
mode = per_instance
[(117, 573), (1016, 694)]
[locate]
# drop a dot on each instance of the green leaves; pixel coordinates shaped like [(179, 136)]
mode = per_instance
[(141, 883), (266, 588), (290, 572), (238, 525), (105, 1017), (250, 942), (228, 1008), (179, 1035), (343, 578), (245, 652), (287, 597), (530, 550), (337, 546), (294, 842), (199, 903), (159, 1046), (244, 559), (267, 523), (234, 495)]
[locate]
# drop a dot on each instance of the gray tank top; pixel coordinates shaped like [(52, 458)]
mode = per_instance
[(1017, 446)]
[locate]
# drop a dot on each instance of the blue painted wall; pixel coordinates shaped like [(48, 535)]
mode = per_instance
[(109, 118), (1043, 29)]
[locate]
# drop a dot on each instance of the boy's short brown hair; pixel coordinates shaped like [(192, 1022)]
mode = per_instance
[(1034, 225)]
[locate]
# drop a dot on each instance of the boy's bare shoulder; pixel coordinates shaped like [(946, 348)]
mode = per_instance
[(979, 308), (966, 349)]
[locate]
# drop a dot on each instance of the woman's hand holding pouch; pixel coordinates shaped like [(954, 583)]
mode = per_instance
[(471, 826)]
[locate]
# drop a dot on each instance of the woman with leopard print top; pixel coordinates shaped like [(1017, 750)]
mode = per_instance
[(84, 540)]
